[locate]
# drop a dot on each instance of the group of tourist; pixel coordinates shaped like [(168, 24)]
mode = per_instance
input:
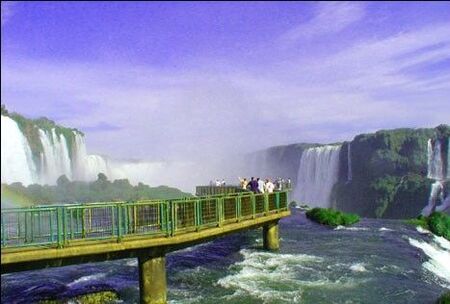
[(262, 186), (217, 183)]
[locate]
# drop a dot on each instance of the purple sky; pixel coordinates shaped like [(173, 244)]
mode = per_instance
[(165, 81)]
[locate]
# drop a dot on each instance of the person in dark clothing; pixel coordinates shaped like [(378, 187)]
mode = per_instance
[(253, 184)]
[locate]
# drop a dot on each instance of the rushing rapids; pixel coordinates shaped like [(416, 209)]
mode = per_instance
[(375, 261)]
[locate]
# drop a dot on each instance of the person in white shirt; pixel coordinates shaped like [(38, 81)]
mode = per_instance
[(260, 185), (269, 186)]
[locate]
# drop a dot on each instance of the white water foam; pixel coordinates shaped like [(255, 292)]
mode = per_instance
[(351, 228), (439, 254), (358, 267), (442, 242), (385, 229), (422, 230), (87, 278), (132, 262), (261, 271)]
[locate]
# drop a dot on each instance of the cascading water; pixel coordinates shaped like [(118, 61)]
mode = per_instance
[(56, 159), (436, 172), (317, 174), (448, 160), (16, 156), (349, 163), (435, 167), (87, 167)]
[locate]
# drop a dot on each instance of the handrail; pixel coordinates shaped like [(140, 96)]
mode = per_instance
[(59, 226)]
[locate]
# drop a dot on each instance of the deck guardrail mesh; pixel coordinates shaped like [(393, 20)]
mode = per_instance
[(61, 225)]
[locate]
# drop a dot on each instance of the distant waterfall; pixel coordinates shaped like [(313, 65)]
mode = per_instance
[(436, 172), (448, 160), (87, 167), (16, 157), (435, 163), (349, 163), (436, 194), (56, 158), (317, 174)]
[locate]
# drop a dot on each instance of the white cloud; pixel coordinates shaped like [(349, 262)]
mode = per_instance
[(208, 111), (375, 65), (331, 17)]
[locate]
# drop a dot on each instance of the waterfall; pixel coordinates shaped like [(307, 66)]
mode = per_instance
[(87, 167), (349, 163), (436, 193), (16, 156), (435, 167), (95, 164), (436, 172), (317, 174), (56, 159), (448, 159)]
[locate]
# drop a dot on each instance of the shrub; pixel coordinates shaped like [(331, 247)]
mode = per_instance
[(439, 224), (332, 217), (444, 299)]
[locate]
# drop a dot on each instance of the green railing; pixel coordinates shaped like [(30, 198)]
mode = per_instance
[(218, 190), (59, 226)]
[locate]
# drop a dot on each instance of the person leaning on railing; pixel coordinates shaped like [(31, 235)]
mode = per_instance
[(243, 183), (269, 186)]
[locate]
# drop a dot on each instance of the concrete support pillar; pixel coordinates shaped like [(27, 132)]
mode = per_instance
[(270, 236), (152, 279)]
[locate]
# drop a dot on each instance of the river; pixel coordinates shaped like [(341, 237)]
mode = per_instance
[(374, 261)]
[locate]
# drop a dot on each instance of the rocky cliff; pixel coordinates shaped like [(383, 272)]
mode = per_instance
[(383, 174)]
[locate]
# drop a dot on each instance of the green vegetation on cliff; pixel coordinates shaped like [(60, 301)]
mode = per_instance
[(331, 217), (101, 190), (389, 172)]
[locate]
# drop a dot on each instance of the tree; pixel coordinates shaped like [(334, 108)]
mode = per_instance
[(62, 181), (101, 177)]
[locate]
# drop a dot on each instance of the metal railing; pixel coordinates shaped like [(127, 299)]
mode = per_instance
[(218, 190), (59, 226)]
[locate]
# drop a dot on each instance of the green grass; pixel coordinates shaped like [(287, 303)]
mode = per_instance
[(438, 223), (331, 217), (420, 221)]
